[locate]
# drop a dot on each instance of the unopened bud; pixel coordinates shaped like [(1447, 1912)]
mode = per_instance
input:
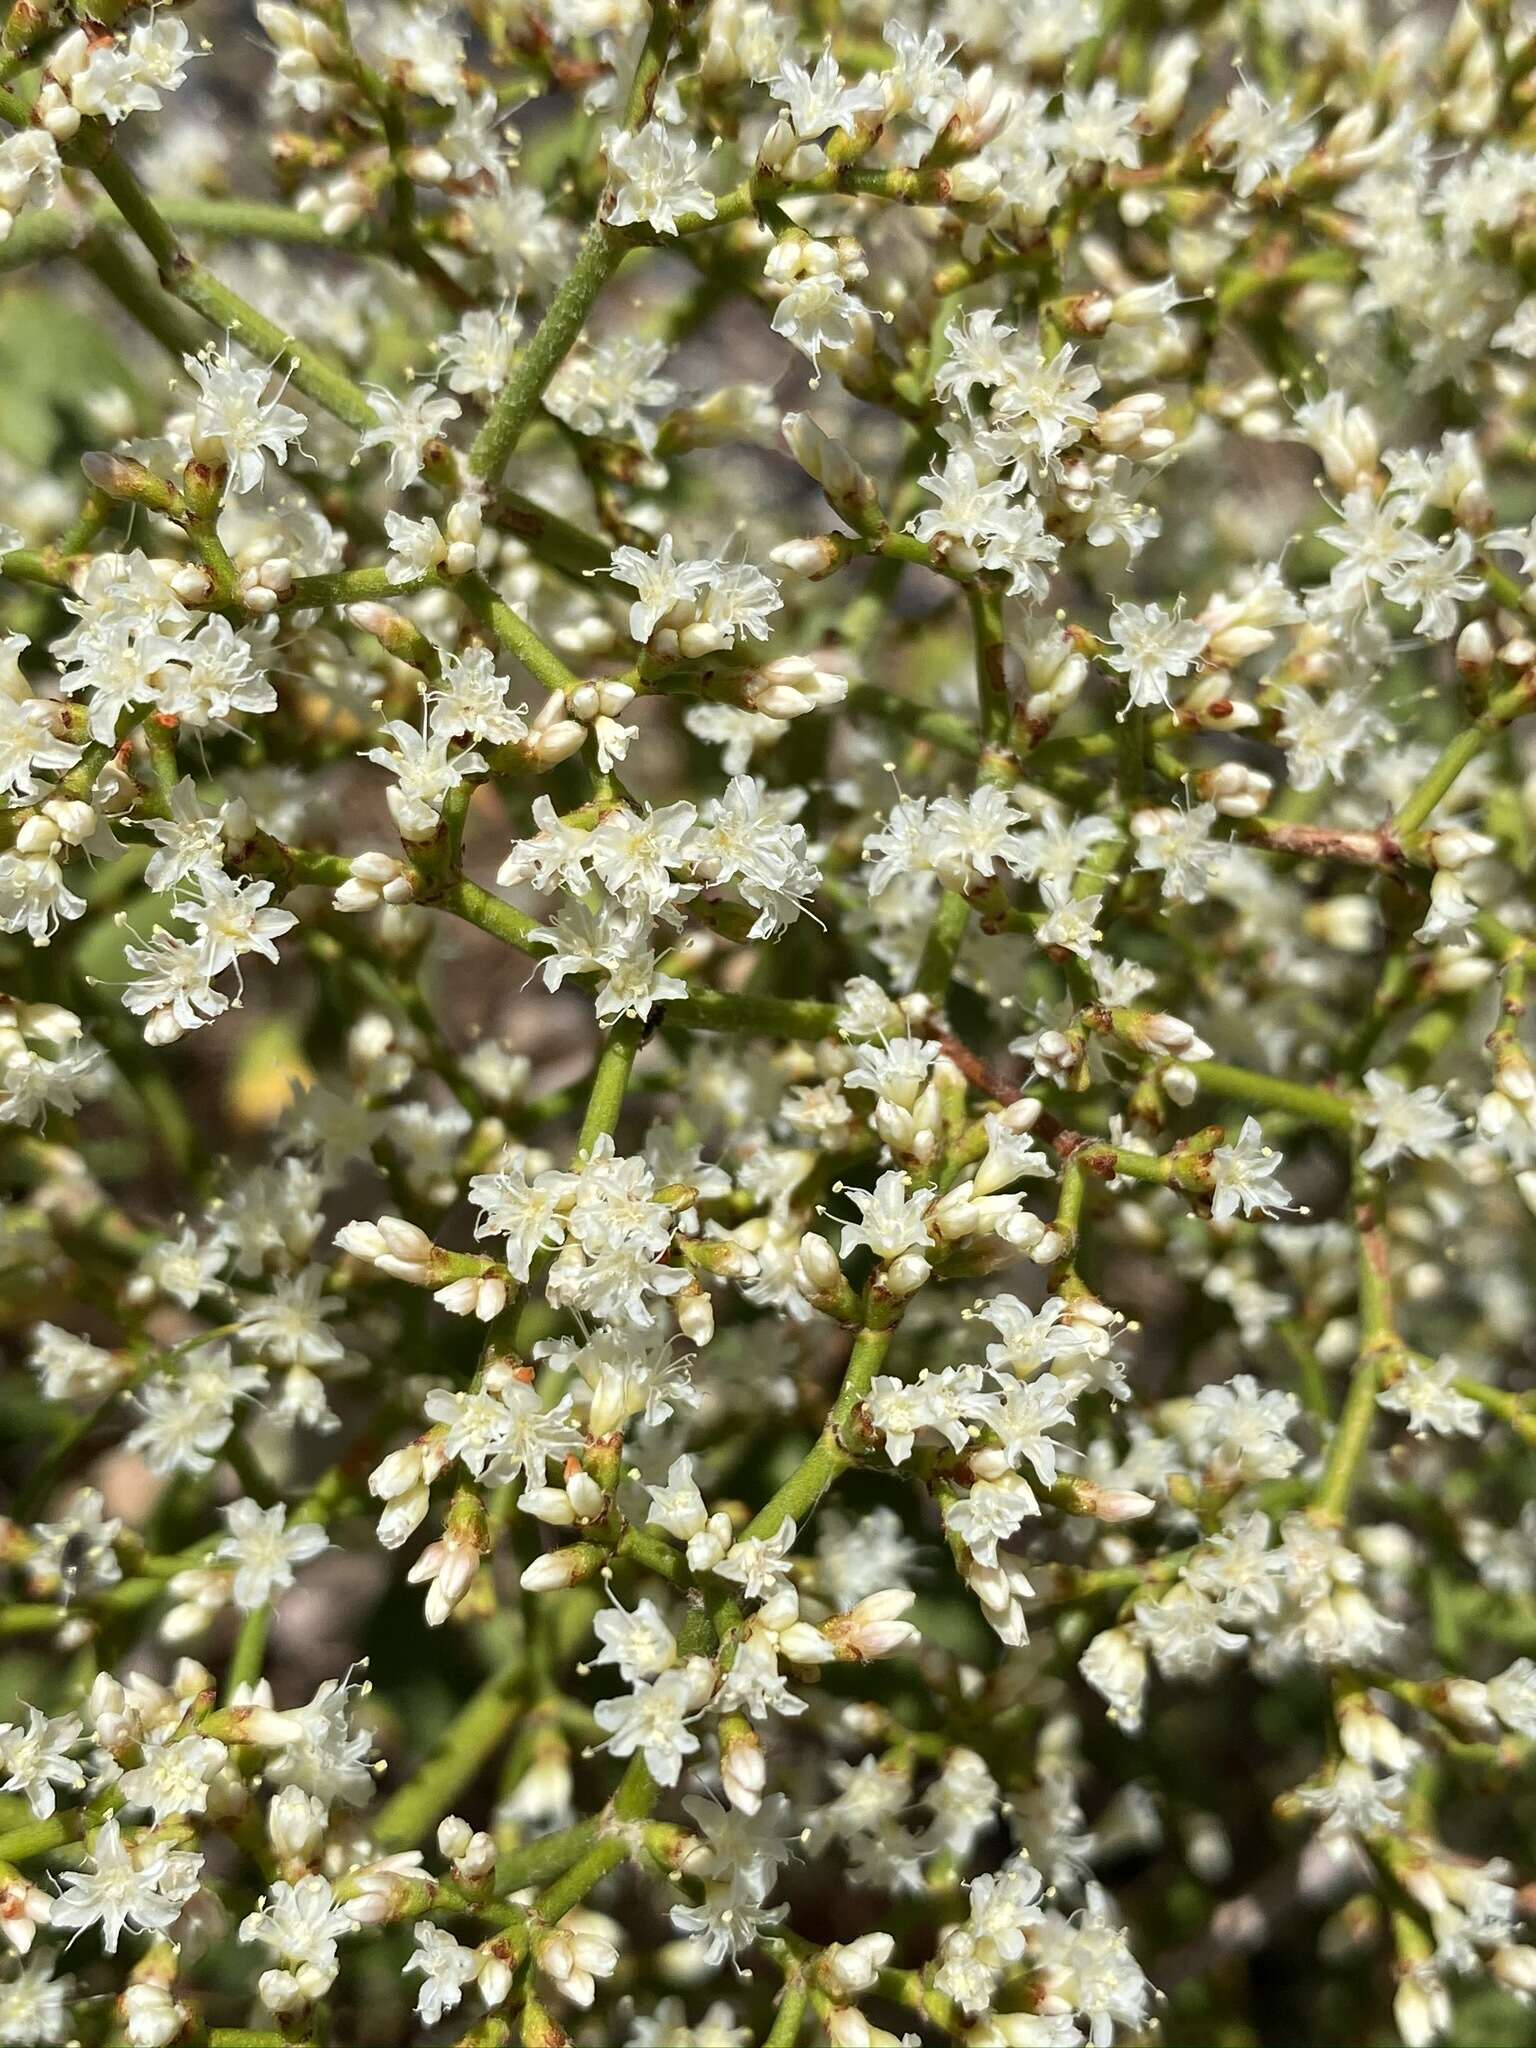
[(811, 558), (296, 1823), (905, 1274), (130, 482), (1236, 791), (557, 1569), (743, 1771)]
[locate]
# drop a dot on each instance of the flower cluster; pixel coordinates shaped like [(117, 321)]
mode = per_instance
[(766, 913)]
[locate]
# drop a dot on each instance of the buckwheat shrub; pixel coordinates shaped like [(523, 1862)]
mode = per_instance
[(766, 885)]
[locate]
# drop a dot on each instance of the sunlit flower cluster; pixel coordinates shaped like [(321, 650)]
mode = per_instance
[(767, 894)]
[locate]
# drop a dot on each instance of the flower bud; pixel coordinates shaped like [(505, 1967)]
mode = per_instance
[(450, 1565), (549, 1504), (1157, 1032), (819, 1263), (1236, 791), (1111, 1503), (493, 1979), (905, 1274), (150, 2016), (279, 1992), (454, 1835), (1474, 649), (828, 463), (129, 482), (557, 1569), (573, 1960), (548, 745), (1348, 923), (743, 1770), (980, 114), (849, 1968), (1457, 847), (482, 1296), (1421, 2009), (1115, 1665), (296, 1823), (811, 558)]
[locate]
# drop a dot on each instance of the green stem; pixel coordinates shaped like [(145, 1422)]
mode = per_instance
[(250, 1651), (601, 254), (942, 946), (828, 1456), (603, 250), (1267, 1091), (1463, 750), (1459, 754), (514, 633), (762, 1016), (790, 2017), (470, 1739), (251, 2037), (1378, 1339), (609, 1083), (991, 680), (224, 308)]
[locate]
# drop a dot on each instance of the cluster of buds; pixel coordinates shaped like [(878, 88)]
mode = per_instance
[(375, 879), (403, 1481), (790, 687), (309, 56), (447, 1567)]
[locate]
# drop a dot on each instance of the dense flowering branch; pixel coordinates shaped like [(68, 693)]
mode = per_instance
[(767, 867)]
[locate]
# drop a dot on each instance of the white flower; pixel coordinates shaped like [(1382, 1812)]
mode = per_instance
[(1353, 1800), (640, 1644), (300, 1923), (233, 918), (818, 100), (29, 173), (469, 701), (34, 2005), (287, 1325), (656, 178), (1243, 1176), (1424, 1392), (427, 768), (1184, 1632), (191, 839), (817, 312), (1407, 1122), (234, 422), (138, 1886), (174, 1776), (654, 1719), (891, 1221), (503, 1430), (1260, 140), (1512, 1696), (1152, 647), (36, 1759), (660, 581), (478, 353), (446, 1966), (1115, 1665), (760, 1564), (992, 1511), (407, 427), (1241, 1428), (264, 1551)]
